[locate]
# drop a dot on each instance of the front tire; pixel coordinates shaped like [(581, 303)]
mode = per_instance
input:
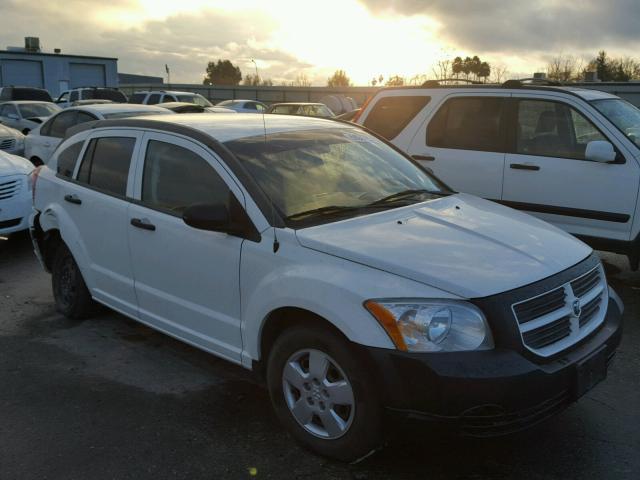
[(71, 295), (323, 394)]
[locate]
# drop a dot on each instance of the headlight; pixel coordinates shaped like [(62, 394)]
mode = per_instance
[(20, 141), (432, 325)]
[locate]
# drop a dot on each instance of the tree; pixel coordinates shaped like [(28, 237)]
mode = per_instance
[(222, 72), (484, 70), (565, 68), (499, 73), (301, 80), (255, 81), (395, 81), (456, 66), (339, 79), (443, 69)]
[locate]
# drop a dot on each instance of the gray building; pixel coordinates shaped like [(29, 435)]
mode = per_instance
[(56, 72), (134, 78)]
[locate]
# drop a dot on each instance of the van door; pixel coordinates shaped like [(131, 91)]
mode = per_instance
[(463, 143), (187, 280), (546, 172)]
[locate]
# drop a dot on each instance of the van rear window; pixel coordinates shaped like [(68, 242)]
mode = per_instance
[(390, 115)]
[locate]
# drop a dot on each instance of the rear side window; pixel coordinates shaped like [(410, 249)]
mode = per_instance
[(67, 159), (84, 117), (137, 98), (390, 115), (60, 123), (154, 99), (468, 123), (175, 178), (75, 95), (106, 164)]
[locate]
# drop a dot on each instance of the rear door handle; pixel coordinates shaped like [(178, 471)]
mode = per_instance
[(426, 158), (73, 199), (143, 224), (524, 166)]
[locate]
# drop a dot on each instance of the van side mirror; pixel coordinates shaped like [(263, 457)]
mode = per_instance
[(600, 151), (208, 216)]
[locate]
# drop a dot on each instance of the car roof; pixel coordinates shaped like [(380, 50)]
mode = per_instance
[(102, 108), (224, 128), (22, 102), (298, 103)]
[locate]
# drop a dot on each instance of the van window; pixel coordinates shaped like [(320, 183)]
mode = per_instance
[(106, 162), (137, 98), (553, 129), (390, 115), (468, 123), (175, 178), (67, 159)]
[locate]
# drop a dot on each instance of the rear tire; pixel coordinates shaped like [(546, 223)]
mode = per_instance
[(337, 413), (71, 295)]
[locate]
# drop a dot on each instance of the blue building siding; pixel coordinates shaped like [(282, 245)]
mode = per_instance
[(56, 72)]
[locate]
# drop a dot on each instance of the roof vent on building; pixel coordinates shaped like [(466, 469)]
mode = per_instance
[(32, 44), (540, 76), (56, 50)]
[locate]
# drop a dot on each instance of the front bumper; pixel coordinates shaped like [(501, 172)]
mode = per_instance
[(494, 392)]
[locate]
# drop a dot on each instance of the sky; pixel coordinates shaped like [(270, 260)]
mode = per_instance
[(366, 38)]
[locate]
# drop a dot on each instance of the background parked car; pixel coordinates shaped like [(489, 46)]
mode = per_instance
[(244, 106), (67, 98), (302, 109), (348, 116), (25, 115), (15, 193), (161, 96), (183, 107), (43, 140), (24, 93), (11, 140)]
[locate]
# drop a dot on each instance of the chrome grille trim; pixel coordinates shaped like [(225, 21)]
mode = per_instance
[(7, 144), (9, 188), (548, 323)]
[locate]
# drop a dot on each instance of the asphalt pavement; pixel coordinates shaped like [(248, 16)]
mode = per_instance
[(108, 398)]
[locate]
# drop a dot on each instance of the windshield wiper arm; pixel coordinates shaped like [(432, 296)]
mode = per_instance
[(327, 210), (400, 196)]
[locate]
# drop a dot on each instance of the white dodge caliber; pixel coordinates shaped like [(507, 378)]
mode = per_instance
[(319, 255)]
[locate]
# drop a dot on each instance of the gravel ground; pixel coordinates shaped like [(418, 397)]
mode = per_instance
[(108, 398)]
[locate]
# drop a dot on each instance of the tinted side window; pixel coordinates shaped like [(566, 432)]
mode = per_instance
[(390, 115), (67, 159), (60, 123), (469, 123), (84, 117), (250, 106), (553, 129), (75, 95), (137, 98), (153, 99), (106, 164), (175, 178)]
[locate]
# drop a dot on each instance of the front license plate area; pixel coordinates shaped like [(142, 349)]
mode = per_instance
[(591, 371)]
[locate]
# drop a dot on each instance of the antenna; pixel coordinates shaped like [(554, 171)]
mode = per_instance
[(276, 243)]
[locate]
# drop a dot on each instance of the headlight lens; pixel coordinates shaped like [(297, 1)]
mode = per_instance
[(19, 140), (432, 325)]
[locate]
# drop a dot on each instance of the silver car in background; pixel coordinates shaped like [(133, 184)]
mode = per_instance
[(11, 141), (25, 115)]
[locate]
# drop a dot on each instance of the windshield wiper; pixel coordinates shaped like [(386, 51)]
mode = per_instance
[(328, 210), (400, 196)]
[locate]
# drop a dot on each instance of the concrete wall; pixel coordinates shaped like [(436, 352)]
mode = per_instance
[(628, 90), (55, 71)]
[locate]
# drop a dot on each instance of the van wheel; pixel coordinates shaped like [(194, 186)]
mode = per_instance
[(72, 298), (323, 394)]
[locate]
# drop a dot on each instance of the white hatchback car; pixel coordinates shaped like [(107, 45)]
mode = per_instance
[(43, 140), (321, 256), (15, 193)]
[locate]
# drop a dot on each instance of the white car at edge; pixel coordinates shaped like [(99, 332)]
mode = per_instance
[(15, 193), (312, 252)]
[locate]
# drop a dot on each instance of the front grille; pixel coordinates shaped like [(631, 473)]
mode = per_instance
[(7, 144), (559, 318), (9, 188), (10, 223)]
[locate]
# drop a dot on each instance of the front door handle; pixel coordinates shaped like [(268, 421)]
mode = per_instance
[(73, 199), (143, 224), (524, 166), (426, 158)]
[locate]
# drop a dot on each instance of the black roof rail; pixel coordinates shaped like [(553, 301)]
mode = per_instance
[(438, 83), (523, 82)]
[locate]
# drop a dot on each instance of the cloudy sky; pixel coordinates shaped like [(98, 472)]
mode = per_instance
[(286, 37)]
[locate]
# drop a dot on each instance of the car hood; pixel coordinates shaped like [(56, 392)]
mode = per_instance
[(14, 165), (461, 244), (8, 132)]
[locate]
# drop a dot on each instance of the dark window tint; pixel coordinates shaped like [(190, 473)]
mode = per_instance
[(250, 106), (175, 178), (106, 164), (167, 99), (75, 95), (153, 99), (67, 159), (137, 98), (390, 115), (7, 109), (84, 117), (468, 123), (553, 129), (60, 123)]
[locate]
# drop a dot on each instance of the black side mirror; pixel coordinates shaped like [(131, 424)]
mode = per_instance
[(212, 217)]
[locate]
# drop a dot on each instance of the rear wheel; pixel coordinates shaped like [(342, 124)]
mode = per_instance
[(71, 295), (323, 394)]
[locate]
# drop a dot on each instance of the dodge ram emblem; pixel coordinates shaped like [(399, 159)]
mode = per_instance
[(577, 309)]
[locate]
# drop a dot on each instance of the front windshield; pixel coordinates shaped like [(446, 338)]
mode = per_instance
[(197, 99), (314, 176), (28, 110), (624, 115)]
